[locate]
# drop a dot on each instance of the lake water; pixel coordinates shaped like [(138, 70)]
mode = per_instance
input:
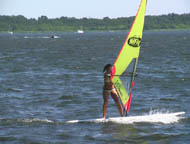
[(45, 82)]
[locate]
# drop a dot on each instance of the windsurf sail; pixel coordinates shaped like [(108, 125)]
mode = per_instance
[(124, 68)]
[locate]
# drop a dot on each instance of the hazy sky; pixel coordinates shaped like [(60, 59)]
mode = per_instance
[(90, 8)]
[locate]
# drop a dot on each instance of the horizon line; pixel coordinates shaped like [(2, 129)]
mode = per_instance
[(93, 17)]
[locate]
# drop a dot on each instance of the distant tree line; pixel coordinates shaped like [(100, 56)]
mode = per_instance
[(43, 24)]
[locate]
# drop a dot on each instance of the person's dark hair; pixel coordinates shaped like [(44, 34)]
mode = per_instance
[(107, 66)]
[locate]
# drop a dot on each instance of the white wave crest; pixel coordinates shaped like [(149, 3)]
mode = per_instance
[(35, 120)]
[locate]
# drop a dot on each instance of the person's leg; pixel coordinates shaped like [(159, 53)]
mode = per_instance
[(116, 99), (105, 105)]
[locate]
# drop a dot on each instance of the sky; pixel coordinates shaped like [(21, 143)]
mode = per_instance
[(90, 8)]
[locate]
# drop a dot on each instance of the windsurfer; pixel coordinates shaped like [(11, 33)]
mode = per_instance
[(109, 89)]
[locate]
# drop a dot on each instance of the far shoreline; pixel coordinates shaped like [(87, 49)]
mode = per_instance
[(89, 31)]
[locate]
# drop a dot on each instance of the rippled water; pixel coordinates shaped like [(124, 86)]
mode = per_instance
[(45, 82)]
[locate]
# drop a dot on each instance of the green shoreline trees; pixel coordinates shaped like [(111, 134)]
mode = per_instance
[(69, 24)]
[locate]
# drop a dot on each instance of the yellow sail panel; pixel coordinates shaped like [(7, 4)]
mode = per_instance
[(121, 90), (131, 46), (129, 51)]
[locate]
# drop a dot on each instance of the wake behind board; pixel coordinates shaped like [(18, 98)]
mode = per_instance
[(165, 118)]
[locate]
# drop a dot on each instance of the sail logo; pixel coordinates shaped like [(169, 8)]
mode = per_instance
[(134, 41)]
